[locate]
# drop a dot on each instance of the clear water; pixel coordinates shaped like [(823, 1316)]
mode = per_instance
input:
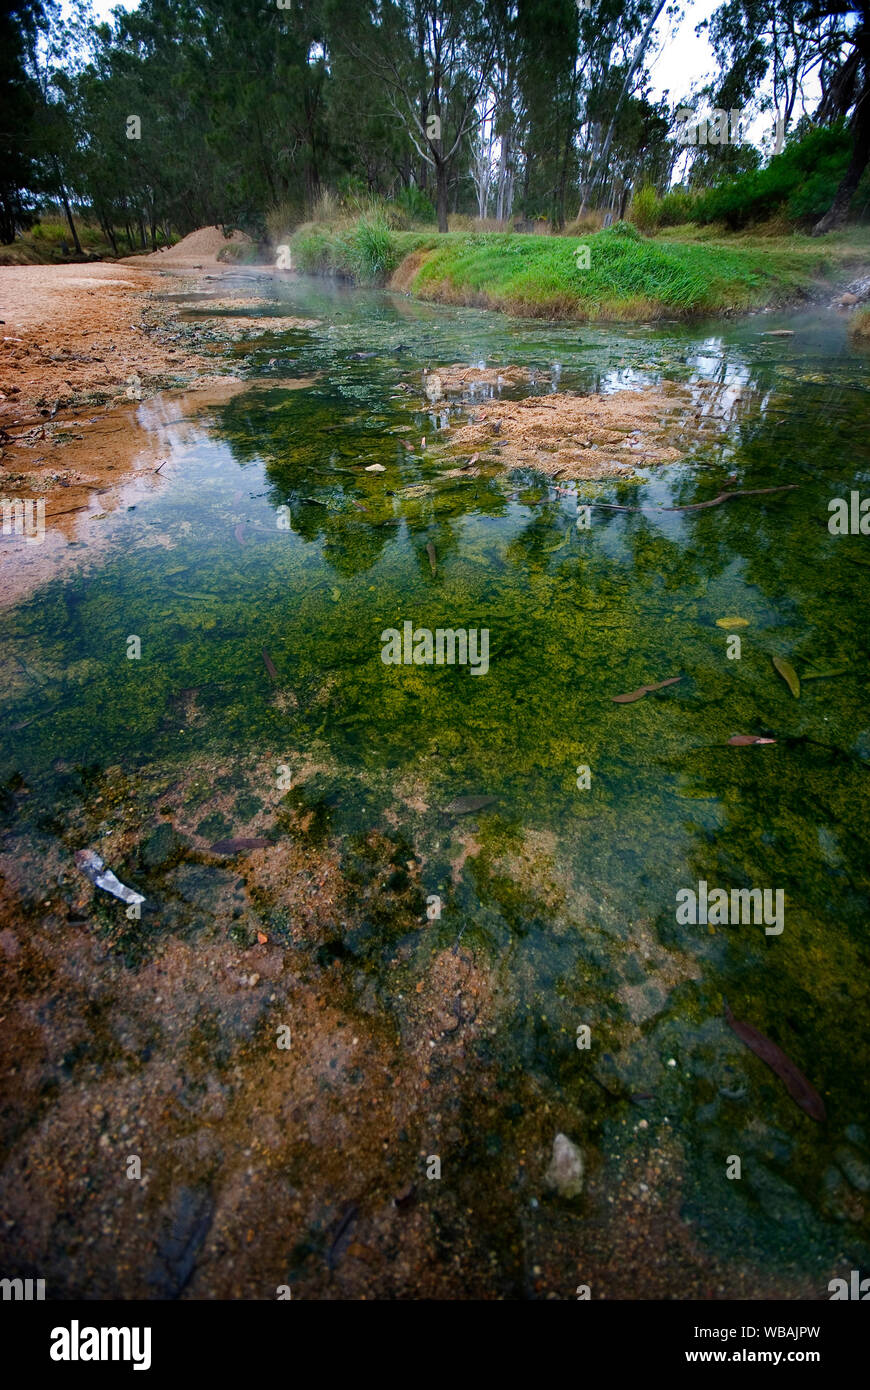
[(575, 617)]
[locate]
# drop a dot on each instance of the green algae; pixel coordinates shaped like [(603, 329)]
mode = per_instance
[(574, 618)]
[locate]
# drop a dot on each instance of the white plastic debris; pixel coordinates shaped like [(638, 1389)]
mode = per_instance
[(93, 867)]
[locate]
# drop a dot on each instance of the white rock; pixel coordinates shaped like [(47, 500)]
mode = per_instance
[(565, 1172), (375, 468)]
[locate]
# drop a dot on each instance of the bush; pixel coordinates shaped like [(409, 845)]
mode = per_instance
[(645, 209), (372, 252), (416, 205), (312, 250), (623, 229), (677, 207), (801, 182)]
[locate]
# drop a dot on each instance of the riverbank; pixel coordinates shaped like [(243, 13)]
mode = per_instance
[(612, 275)]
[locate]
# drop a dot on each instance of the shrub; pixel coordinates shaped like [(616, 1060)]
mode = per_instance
[(372, 252), (416, 205), (676, 207), (801, 182), (312, 249), (645, 209), (624, 229)]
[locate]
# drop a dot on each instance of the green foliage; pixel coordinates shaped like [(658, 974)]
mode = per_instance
[(374, 254), (645, 209), (624, 229), (416, 205), (676, 207), (800, 183)]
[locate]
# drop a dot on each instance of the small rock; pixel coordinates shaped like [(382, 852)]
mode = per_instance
[(846, 299), (565, 1173)]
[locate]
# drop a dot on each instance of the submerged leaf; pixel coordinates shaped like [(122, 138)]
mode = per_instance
[(799, 1088), (745, 740), (789, 674), (732, 622), (643, 690)]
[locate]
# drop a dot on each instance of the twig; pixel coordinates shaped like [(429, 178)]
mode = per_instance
[(697, 506)]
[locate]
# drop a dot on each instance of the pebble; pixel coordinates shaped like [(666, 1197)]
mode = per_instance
[(565, 1172)]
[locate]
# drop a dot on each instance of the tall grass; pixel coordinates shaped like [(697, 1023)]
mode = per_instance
[(630, 276)]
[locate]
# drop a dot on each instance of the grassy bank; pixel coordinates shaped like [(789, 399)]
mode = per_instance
[(629, 276)]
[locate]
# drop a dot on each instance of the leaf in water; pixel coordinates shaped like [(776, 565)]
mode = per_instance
[(732, 622), (824, 675), (789, 675), (745, 740), (239, 534), (269, 664), (643, 690), (433, 558), (336, 595), (799, 1088)]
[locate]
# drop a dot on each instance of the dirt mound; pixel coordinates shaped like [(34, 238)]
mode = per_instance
[(199, 248)]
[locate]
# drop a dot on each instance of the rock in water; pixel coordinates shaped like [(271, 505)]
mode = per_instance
[(565, 1173)]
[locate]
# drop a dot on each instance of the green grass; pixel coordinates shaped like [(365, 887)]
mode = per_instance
[(630, 277)]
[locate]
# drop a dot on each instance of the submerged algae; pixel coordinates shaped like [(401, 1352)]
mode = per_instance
[(564, 894)]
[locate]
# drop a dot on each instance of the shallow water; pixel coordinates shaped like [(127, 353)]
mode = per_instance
[(209, 572)]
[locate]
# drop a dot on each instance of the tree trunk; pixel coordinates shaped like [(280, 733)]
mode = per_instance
[(839, 209), (142, 233), (69, 216), (109, 234), (635, 64), (441, 186)]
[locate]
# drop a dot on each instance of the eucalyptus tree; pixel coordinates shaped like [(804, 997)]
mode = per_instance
[(788, 42), (433, 60)]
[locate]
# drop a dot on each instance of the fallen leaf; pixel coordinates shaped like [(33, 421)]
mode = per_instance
[(643, 690), (745, 740), (799, 1088), (262, 938), (789, 674), (732, 622)]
